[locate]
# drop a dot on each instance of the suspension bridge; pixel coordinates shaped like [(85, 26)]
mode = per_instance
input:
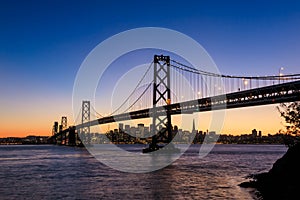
[(169, 87)]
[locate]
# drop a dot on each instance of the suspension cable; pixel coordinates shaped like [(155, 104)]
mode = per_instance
[(201, 72), (96, 111), (132, 91), (138, 97)]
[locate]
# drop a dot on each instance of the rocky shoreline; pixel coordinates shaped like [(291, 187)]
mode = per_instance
[(282, 181)]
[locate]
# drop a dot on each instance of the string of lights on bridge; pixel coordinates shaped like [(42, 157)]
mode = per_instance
[(202, 84), (180, 89)]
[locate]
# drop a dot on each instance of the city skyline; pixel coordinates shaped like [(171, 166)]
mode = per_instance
[(41, 52), (127, 134)]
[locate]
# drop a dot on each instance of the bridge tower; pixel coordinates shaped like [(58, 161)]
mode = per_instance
[(64, 122), (85, 115), (55, 128), (161, 124)]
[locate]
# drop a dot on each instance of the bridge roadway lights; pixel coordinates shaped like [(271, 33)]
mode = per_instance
[(163, 108)]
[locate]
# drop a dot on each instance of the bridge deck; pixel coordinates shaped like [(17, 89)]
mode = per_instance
[(285, 92)]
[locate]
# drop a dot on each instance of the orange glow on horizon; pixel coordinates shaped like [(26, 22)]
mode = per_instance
[(20, 119), (237, 121)]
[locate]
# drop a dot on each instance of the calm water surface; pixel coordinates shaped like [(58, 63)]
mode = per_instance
[(58, 172)]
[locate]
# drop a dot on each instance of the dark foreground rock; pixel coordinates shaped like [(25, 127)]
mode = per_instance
[(283, 180)]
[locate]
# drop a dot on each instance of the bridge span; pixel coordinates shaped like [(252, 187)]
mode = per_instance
[(281, 88)]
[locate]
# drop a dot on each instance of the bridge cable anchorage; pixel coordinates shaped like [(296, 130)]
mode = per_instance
[(137, 86)]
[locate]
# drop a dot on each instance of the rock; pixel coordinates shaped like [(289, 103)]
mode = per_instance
[(283, 180)]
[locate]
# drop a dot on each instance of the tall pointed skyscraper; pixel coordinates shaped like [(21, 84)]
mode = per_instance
[(193, 130)]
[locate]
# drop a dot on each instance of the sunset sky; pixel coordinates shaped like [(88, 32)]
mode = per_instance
[(43, 43)]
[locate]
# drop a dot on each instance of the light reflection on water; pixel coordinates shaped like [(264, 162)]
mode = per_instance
[(58, 172)]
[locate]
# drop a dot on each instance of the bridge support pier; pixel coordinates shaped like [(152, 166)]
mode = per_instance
[(72, 136)]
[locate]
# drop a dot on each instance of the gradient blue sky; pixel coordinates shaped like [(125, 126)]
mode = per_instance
[(42, 45)]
